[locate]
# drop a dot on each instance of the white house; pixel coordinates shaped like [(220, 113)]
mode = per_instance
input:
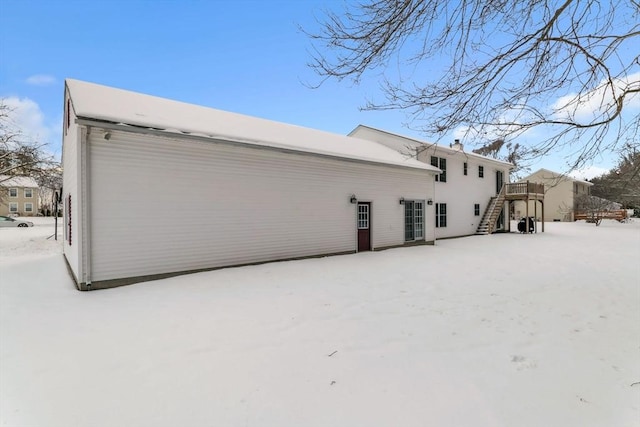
[(466, 188), (154, 188)]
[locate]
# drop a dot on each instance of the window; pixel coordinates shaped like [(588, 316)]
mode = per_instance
[(481, 171), (442, 165), (13, 192), (464, 168), (28, 193), (363, 217), (476, 209), (13, 207), (67, 116), (28, 207), (413, 220), (441, 215)]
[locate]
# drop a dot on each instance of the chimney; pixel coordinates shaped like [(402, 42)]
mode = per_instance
[(457, 145)]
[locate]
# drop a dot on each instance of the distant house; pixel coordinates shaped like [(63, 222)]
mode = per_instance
[(465, 189), (155, 188), (18, 196), (560, 198)]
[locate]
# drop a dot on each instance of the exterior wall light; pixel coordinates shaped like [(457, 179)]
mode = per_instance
[(353, 199), (429, 202), (402, 200)]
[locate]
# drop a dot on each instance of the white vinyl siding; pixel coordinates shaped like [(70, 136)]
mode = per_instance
[(244, 205), (71, 154)]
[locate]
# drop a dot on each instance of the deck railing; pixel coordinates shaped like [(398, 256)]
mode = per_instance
[(525, 188)]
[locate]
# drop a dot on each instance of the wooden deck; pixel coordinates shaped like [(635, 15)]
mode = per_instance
[(524, 191)]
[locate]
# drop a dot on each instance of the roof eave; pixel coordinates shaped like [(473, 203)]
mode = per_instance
[(133, 128)]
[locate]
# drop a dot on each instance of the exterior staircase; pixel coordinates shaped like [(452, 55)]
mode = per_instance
[(491, 214)]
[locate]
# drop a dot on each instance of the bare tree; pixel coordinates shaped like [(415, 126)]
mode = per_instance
[(19, 155), (515, 154), (595, 208), (569, 69)]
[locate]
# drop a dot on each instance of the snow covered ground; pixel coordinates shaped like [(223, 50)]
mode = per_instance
[(501, 330)]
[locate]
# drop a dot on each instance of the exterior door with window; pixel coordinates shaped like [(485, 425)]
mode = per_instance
[(413, 220), (364, 227)]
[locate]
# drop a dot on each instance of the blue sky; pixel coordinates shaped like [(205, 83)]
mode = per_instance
[(243, 56)]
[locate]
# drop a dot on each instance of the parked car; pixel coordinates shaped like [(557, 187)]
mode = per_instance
[(5, 221)]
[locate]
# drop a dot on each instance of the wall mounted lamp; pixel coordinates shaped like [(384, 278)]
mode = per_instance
[(353, 199), (429, 202), (107, 136), (402, 200)]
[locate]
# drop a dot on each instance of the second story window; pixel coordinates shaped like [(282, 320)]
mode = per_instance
[(464, 168), (13, 192), (480, 171), (476, 209), (440, 163), (28, 193)]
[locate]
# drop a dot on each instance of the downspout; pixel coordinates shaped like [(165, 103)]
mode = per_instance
[(433, 184), (86, 212)]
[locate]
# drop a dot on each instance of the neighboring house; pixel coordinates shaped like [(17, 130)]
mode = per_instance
[(18, 196), (154, 188), (465, 188), (561, 193)]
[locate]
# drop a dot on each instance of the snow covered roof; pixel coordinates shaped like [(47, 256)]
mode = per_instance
[(408, 145), (549, 174), (96, 102), (18, 181)]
